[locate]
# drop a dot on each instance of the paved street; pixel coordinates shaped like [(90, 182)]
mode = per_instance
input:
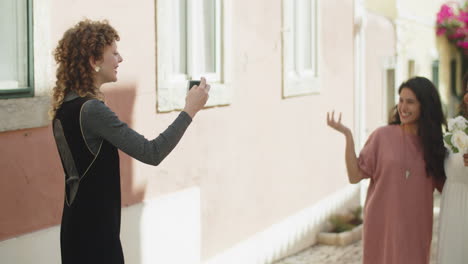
[(352, 254)]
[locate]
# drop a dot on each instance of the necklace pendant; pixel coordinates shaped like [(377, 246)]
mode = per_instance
[(407, 174)]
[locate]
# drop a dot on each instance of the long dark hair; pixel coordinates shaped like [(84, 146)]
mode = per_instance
[(430, 123)]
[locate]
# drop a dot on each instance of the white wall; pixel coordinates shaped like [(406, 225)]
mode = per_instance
[(161, 230), (167, 230)]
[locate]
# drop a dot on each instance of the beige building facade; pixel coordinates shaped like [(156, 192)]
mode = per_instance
[(258, 172), (418, 51)]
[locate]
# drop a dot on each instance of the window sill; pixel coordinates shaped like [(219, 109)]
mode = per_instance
[(171, 95), (23, 113), (294, 87)]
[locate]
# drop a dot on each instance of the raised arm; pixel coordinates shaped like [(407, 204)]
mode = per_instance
[(354, 173), (99, 122)]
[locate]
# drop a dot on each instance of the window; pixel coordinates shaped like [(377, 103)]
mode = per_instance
[(411, 68), (16, 49), (189, 46), (300, 47), (390, 90), (26, 69)]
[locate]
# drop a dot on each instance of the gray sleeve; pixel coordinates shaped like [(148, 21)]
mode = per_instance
[(99, 122)]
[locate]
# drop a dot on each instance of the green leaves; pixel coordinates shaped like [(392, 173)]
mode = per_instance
[(448, 142)]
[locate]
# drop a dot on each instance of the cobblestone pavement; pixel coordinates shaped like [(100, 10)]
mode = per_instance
[(352, 254)]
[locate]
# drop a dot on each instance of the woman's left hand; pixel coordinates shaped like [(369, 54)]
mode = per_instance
[(336, 124)]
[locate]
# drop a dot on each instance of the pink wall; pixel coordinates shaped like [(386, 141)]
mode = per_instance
[(256, 161), (32, 183), (380, 46), (30, 191)]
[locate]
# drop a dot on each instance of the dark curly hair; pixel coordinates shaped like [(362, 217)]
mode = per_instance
[(85, 40), (431, 122)]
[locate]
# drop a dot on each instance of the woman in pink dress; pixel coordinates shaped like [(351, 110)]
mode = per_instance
[(405, 163)]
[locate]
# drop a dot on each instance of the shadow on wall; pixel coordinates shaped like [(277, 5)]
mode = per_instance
[(32, 190), (121, 99)]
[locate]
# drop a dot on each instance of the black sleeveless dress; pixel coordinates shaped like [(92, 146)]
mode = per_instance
[(90, 229)]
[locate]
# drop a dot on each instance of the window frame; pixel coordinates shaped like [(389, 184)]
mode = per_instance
[(389, 86), (29, 91), (411, 68), (31, 112), (172, 87), (299, 83)]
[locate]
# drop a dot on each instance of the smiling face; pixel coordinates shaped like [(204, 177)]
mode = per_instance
[(108, 65), (409, 107)]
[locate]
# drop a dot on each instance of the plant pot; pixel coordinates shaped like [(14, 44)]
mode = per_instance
[(340, 239)]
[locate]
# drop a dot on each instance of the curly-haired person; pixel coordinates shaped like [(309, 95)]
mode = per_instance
[(88, 134)]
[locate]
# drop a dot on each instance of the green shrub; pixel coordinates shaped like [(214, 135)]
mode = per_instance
[(345, 222)]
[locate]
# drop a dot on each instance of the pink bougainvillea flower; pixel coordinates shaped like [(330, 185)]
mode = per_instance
[(452, 21), (441, 31), (462, 44), (459, 32), (463, 16), (446, 12), (456, 35)]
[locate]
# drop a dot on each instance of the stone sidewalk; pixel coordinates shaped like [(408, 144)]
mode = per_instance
[(352, 254)]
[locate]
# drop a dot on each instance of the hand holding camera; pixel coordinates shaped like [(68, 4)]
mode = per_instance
[(196, 96)]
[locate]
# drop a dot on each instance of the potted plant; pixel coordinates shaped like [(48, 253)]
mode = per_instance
[(452, 22), (342, 229)]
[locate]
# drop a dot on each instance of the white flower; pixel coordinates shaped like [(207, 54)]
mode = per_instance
[(457, 123), (460, 141)]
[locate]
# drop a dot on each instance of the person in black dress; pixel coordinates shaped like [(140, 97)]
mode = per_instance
[(88, 134)]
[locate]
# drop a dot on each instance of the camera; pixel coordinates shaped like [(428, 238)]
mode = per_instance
[(193, 83)]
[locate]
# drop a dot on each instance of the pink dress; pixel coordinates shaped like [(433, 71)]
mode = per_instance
[(398, 210)]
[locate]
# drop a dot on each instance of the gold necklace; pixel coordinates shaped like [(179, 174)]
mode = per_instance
[(405, 160)]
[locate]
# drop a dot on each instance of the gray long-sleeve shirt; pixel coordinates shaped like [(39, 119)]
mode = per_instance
[(99, 123)]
